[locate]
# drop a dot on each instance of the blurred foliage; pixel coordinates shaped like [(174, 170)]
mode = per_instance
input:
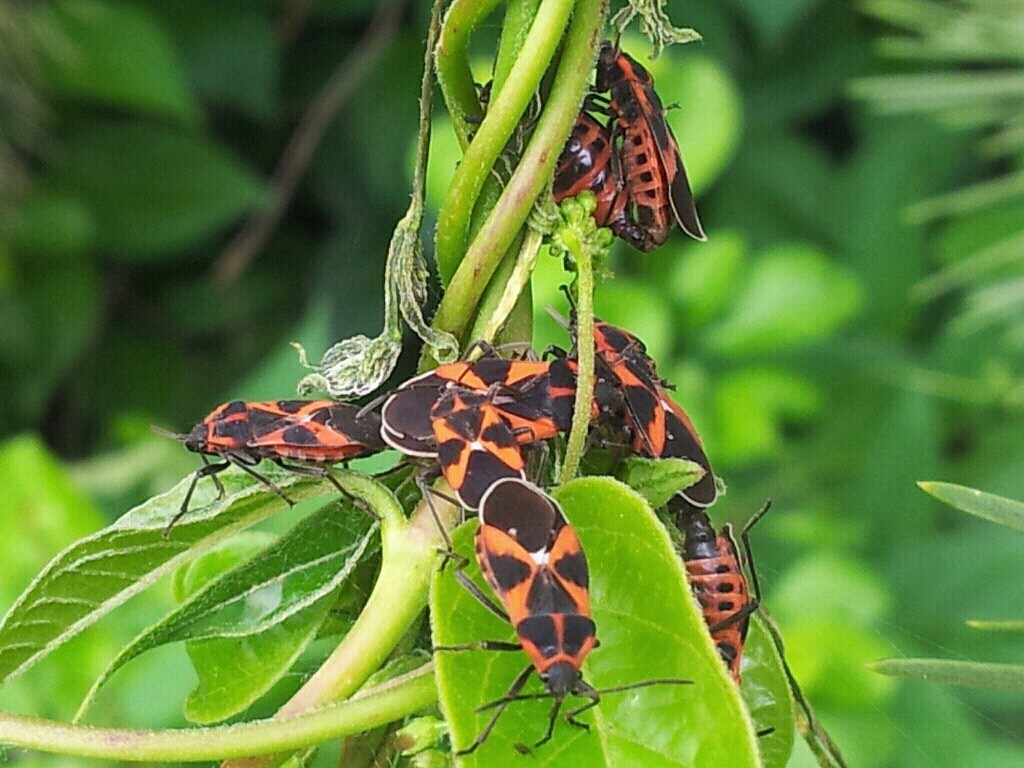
[(853, 324)]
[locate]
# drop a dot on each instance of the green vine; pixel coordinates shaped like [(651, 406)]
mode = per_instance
[(532, 174), (394, 700)]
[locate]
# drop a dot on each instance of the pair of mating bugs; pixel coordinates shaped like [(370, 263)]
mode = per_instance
[(473, 419), (632, 164)]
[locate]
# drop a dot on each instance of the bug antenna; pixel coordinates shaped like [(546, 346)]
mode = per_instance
[(557, 317), (167, 433), (568, 296), (643, 684)]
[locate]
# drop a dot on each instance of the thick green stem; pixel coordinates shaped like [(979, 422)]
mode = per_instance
[(386, 703), (531, 175), (453, 71), (508, 285), (409, 551), (503, 115), (519, 16), (585, 357)]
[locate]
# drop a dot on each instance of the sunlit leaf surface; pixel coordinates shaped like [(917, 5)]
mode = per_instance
[(648, 626)]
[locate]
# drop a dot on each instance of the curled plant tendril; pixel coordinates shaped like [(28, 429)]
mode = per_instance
[(351, 368), (406, 277), (654, 24), (358, 365)]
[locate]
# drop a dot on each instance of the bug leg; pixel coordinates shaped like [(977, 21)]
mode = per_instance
[(207, 470), (266, 481), (428, 494), (325, 474), (499, 705), (570, 716), (481, 645), (479, 594), (552, 717), (216, 480)]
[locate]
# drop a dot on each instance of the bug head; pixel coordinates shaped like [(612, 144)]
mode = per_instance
[(561, 679), (194, 440)]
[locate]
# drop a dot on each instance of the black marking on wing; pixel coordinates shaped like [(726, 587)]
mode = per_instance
[(577, 630), (508, 571), (541, 631), (573, 568), (299, 435)]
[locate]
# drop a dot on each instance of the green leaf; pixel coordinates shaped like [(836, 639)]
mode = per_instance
[(987, 506), (658, 480), (752, 407), (153, 190), (1003, 677), (50, 225), (704, 275), (776, 19), (648, 625), (46, 511), (260, 615), (100, 572), (766, 691), (795, 295), (232, 56), (58, 308), (116, 53)]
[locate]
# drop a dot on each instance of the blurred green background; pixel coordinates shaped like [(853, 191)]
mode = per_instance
[(853, 325)]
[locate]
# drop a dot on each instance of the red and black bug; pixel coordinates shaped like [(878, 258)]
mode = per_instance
[(532, 559), (309, 431), (590, 162), (717, 578), (659, 426), (475, 447), (518, 389), (652, 165)]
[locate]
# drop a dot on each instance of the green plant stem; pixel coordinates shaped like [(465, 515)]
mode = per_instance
[(383, 704), (533, 172), (585, 357), (409, 551), (503, 115), (453, 71), (519, 16), (507, 287)]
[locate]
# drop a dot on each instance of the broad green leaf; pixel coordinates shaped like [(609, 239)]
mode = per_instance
[(794, 295), (658, 480), (765, 690), (752, 405), (1003, 677), (57, 310), (775, 20), (232, 55), (116, 53), (270, 606), (649, 627), (236, 672), (153, 190), (43, 511), (974, 502), (704, 275), (100, 572), (49, 225)]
